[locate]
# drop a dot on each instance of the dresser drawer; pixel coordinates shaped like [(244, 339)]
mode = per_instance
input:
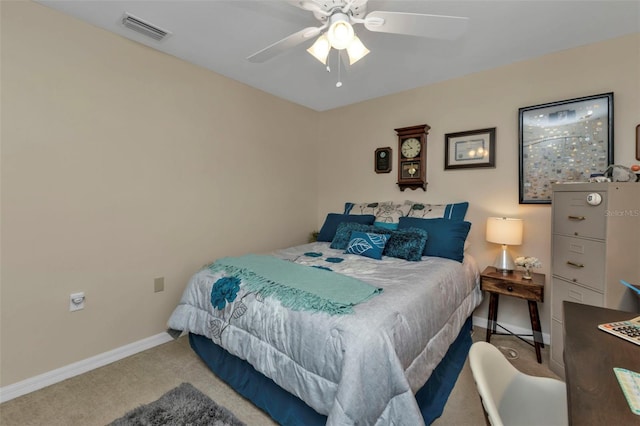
[(557, 343), (579, 260), (563, 290), (573, 216), (531, 290)]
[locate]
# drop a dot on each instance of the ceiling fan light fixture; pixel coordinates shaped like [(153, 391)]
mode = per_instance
[(320, 49), (340, 32), (356, 50)]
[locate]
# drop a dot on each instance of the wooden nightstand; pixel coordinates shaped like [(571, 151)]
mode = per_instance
[(512, 284)]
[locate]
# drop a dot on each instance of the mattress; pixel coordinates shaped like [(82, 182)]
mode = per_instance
[(363, 367)]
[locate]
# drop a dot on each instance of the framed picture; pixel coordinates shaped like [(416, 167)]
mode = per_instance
[(382, 160), (565, 141), (470, 149)]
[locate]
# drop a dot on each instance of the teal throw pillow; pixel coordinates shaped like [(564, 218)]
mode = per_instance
[(330, 226), (367, 244), (343, 234), (446, 237), (406, 244)]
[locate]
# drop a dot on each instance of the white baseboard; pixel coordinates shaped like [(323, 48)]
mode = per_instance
[(43, 380), (40, 381), (482, 322)]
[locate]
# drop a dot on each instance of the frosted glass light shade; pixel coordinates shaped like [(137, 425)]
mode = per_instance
[(356, 50), (340, 31), (320, 49)]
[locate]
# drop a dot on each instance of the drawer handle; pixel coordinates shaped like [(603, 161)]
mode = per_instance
[(577, 265), (509, 288), (577, 217)]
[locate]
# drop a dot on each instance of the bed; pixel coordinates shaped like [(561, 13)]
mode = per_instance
[(379, 358)]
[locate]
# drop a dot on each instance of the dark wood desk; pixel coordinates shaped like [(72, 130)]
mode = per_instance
[(594, 396)]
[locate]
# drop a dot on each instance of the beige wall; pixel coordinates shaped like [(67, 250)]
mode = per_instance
[(486, 99), (121, 164)]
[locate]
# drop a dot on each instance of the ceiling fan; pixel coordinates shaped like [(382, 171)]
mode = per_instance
[(338, 17)]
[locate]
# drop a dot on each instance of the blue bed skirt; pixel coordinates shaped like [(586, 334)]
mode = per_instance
[(288, 410)]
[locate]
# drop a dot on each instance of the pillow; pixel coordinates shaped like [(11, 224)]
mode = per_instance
[(328, 230), (363, 208), (386, 212), (446, 237), (406, 244), (388, 215), (343, 234), (455, 211), (367, 244)]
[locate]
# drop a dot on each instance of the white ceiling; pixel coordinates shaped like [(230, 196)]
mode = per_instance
[(219, 35)]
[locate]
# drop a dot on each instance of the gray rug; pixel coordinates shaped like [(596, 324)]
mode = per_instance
[(184, 405)]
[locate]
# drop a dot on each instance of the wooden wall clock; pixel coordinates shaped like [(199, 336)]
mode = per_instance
[(412, 157)]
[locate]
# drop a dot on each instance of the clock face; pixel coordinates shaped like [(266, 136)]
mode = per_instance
[(410, 148)]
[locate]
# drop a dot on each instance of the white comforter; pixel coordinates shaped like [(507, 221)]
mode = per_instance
[(362, 368)]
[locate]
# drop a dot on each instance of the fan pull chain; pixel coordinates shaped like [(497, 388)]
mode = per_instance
[(339, 83)]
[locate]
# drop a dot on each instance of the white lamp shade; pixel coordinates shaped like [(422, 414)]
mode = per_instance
[(320, 49), (356, 50), (502, 230)]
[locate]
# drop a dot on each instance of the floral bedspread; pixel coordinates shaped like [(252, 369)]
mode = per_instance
[(360, 368)]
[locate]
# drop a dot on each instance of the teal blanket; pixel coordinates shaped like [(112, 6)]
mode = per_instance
[(298, 287)]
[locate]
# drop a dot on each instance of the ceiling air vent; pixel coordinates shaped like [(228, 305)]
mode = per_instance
[(143, 27)]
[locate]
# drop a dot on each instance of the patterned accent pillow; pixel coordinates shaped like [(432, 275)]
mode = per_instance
[(343, 234), (367, 244), (363, 208), (387, 214), (406, 244), (456, 211)]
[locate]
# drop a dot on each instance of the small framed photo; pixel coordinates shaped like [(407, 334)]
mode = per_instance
[(382, 160), (471, 149)]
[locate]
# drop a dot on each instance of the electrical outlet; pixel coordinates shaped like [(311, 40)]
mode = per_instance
[(76, 301), (158, 285)]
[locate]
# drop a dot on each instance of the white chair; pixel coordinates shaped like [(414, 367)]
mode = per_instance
[(510, 397)]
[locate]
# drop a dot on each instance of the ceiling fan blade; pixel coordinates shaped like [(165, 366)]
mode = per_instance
[(280, 46), (417, 24)]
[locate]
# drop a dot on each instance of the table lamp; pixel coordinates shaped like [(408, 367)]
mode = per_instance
[(507, 232)]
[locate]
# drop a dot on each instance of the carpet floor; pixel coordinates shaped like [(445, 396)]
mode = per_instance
[(100, 396)]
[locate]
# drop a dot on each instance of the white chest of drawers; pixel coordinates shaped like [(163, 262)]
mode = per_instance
[(593, 248)]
